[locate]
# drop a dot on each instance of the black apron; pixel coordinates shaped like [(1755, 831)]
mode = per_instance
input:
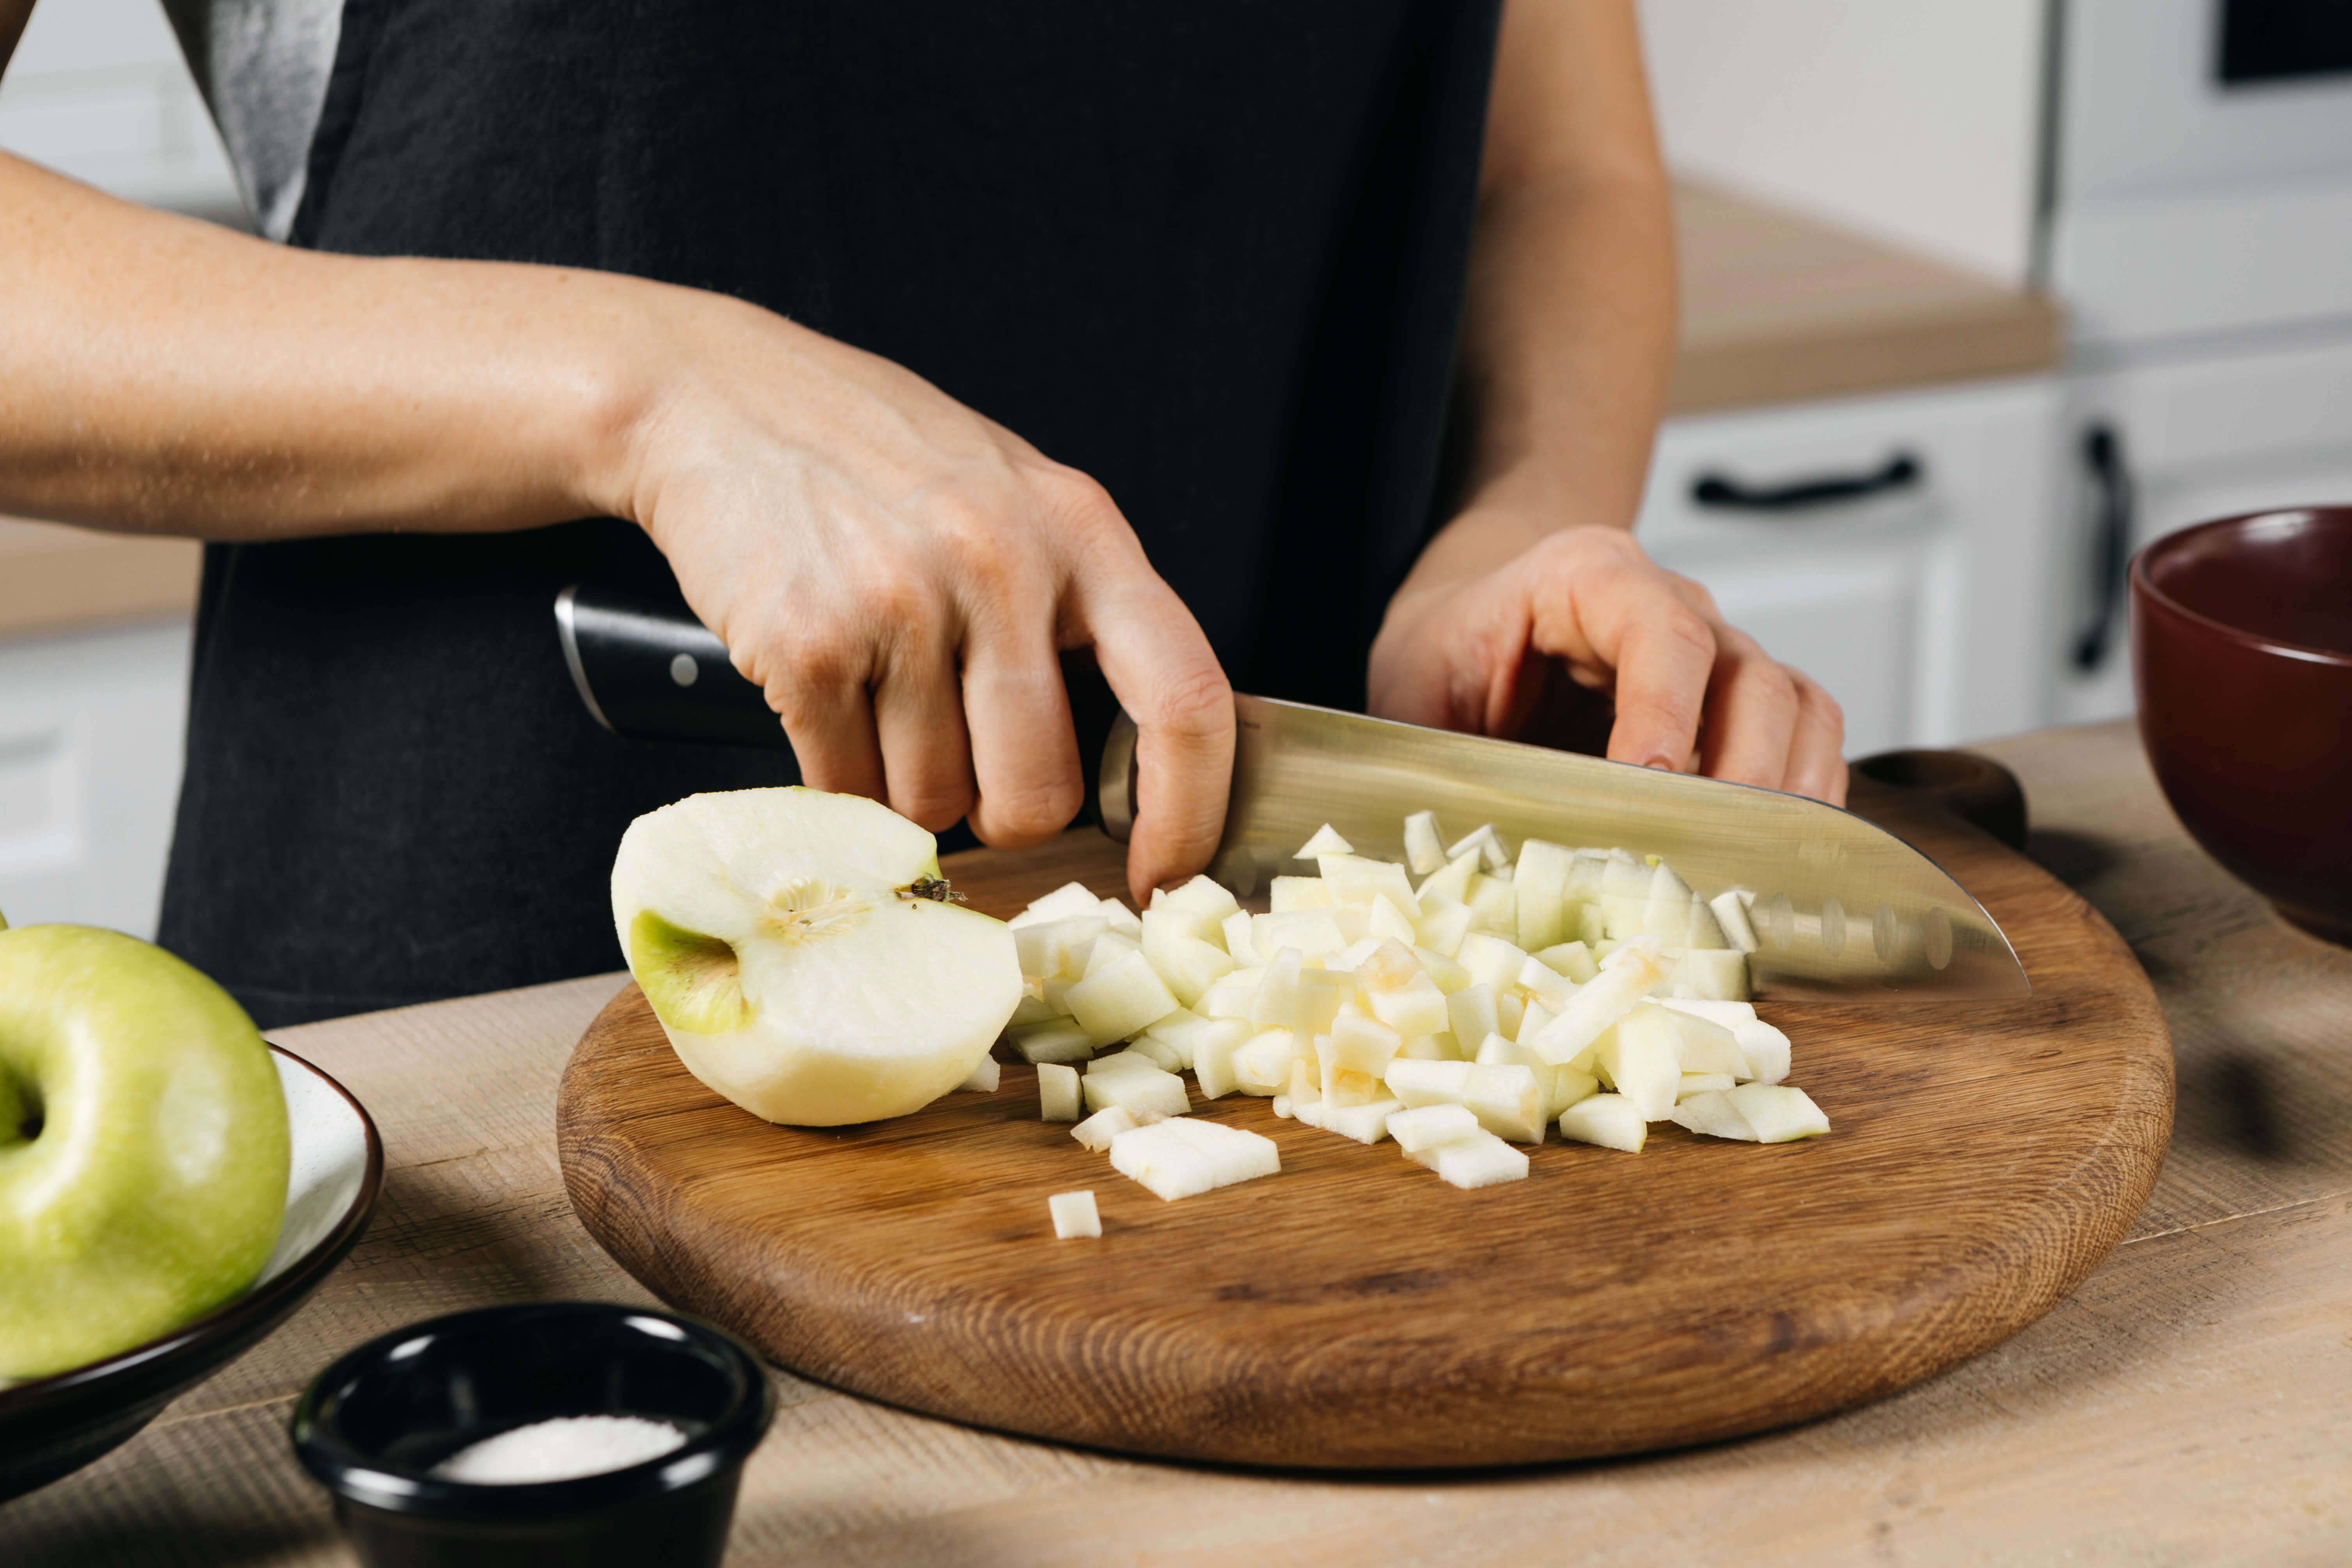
[(1210, 253)]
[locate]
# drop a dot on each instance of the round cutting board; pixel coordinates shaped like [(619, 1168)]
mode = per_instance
[(1356, 1311)]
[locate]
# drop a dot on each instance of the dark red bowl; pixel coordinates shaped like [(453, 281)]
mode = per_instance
[(2242, 651)]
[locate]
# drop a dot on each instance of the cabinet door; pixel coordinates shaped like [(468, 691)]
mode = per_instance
[(92, 727), (2199, 439), (1913, 584)]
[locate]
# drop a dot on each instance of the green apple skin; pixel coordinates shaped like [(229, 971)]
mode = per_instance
[(156, 1184)]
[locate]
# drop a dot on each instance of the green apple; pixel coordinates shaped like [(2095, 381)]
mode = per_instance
[(142, 1146), (805, 957)]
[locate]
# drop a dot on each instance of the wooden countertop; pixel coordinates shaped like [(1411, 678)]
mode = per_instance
[(2192, 1403), (1775, 309)]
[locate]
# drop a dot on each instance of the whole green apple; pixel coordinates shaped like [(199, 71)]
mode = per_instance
[(142, 1146)]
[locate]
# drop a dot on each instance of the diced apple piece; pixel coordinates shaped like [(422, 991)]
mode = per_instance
[(1613, 994), (1058, 1097), (1573, 959), (1355, 880), (1176, 1032), (1164, 922), (1306, 1083), (1779, 1113), (1491, 961), (1667, 911), (1361, 1044), (1470, 1012), (1326, 841), (1074, 1215), (1312, 934), (1061, 1041), (1388, 967), (1203, 897), (1032, 1007), (1541, 879), (1532, 1020), (1707, 1047), (1453, 883), (1096, 1130), (1236, 927), (983, 1077), (1494, 906), (1713, 1115), (1284, 1108), (1487, 842), (1432, 1048), (1766, 1049), (1481, 1160), (1121, 1000), (1443, 925), (1293, 893), (1448, 976), (1639, 1055), (1729, 1014), (1366, 1123), (1212, 1055), (1276, 1002), (1261, 1065), (1189, 966), (1610, 1121), (1424, 850), (1057, 946), (1181, 1158), (1353, 955), (1506, 1101), (1419, 1083), (1162, 1055), (1416, 1008), (1510, 1012), (1712, 974), (1703, 1083), (1427, 1126), (1321, 993), (1144, 1089), (1107, 950), (1232, 996), (1385, 921), (1568, 1086), (1068, 901), (1545, 984), (1731, 919)]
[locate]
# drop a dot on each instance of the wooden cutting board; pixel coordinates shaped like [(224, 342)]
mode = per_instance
[(1354, 1310)]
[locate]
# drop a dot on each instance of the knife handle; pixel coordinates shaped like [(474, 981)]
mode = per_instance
[(650, 671)]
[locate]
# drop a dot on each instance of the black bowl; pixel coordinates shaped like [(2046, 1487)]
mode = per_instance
[(51, 1427), (375, 1424)]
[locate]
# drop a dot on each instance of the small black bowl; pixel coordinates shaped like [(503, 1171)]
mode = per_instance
[(375, 1423)]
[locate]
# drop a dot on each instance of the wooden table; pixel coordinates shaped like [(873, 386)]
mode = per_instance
[(2191, 1404)]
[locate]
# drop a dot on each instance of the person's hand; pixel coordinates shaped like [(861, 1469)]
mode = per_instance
[(1536, 645), (899, 575)]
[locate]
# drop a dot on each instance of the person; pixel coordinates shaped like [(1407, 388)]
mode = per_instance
[(1315, 349)]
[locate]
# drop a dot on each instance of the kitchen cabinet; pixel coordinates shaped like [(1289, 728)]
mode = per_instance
[(90, 729), (1894, 548), (2194, 438)]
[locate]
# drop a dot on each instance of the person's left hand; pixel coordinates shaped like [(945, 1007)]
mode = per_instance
[(1534, 647)]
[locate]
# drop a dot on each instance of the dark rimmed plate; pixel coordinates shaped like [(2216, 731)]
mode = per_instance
[(51, 1427)]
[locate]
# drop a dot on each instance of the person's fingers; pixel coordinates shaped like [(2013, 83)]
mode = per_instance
[(1024, 755), (1664, 655), (1751, 713), (1165, 675), (829, 720), (919, 722), (1816, 760)]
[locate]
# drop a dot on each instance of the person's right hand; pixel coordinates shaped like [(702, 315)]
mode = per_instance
[(900, 574)]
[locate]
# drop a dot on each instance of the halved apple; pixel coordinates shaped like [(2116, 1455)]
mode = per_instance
[(805, 957)]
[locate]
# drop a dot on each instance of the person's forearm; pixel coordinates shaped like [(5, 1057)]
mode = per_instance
[(164, 374), (1568, 325)]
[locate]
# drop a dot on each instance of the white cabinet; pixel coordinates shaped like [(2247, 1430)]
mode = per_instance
[(92, 725), (1916, 585), (2199, 439)]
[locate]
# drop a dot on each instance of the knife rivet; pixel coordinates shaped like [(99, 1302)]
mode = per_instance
[(1832, 928), (684, 670), (1940, 939), (1886, 933), (1780, 920)]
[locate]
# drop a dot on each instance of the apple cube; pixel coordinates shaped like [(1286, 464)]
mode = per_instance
[(1766, 1049), (1491, 961), (1276, 1001), (1494, 1050), (1487, 842), (1293, 893), (1425, 847), (1068, 901), (1181, 1158), (1573, 959), (1779, 1113), (1059, 946), (1442, 924), (1714, 974), (1176, 1032), (1096, 1130), (1715, 1116), (1164, 922), (1542, 879), (1360, 1044), (1144, 1089), (1707, 1047), (1326, 841), (1432, 1048), (1261, 1065), (1427, 1126), (1470, 1012), (1311, 933), (1420, 1083), (1610, 1121), (1061, 1041), (1232, 996), (1453, 883), (1494, 906), (1640, 1056), (1480, 1159), (1506, 1101), (1189, 966), (1159, 1053), (1532, 1019), (1595, 1007), (1731, 918), (1568, 1086), (1123, 999), (1074, 1215), (1416, 1008), (1366, 1123), (1388, 967), (1385, 921), (1236, 929), (1541, 981), (1107, 950), (1703, 1083), (983, 1077), (1449, 975), (1203, 897), (1057, 1093), (1321, 993), (1355, 880)]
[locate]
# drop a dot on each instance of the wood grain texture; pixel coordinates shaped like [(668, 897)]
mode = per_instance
[(1355, 1312)]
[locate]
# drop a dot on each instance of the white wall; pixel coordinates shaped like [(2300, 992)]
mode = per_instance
[(98, 91), (1912, 121)]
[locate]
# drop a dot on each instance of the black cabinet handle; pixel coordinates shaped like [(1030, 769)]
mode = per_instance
[(2103, 458), (1902, 471)]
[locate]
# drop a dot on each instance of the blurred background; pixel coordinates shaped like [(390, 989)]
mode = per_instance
[(1979, 295)]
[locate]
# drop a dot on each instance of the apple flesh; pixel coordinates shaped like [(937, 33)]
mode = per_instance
[(803, 956), (143, 1147)]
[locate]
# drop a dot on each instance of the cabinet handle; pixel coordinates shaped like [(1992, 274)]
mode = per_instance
[(1712, 489), (2103, 456)]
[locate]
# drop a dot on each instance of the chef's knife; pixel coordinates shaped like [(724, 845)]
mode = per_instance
[(1843, 909)]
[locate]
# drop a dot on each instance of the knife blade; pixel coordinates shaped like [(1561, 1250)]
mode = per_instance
[(1845, 910)]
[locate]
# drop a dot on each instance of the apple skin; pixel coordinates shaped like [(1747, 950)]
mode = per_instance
[(156, 1187)]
